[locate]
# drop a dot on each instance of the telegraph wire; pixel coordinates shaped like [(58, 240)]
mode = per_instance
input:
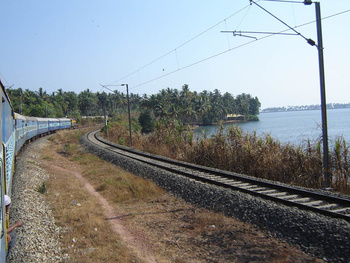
[(228, 39), (183, 44), (284, 23), (2, 78), (295, 21), (195, 63), (324, 18), (177, 59), (243, 17), (221, 53), (234, 48), (340, 13), (239, 24)]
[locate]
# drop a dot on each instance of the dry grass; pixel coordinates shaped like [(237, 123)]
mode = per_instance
[(176, 231), (119, 186), (88, 237), (237, 151), (265, 157)]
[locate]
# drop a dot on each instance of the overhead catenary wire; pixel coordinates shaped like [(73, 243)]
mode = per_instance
[(295, 22), (177, 59), (183, 44), (246, 13), (228, 39), (280, 20), (228, 50), (3, 78)]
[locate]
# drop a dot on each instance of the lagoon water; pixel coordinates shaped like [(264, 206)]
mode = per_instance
[(295, 126)]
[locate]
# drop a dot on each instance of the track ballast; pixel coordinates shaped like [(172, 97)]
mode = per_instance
[(320, 203)]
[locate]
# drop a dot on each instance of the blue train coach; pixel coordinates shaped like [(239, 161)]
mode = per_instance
[(7, 160), (43, 126), (15, 131), (54, 124), (20, 129), (65, 123)]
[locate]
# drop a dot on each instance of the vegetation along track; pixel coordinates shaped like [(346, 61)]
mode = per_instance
[(321, 203), (322, 234)]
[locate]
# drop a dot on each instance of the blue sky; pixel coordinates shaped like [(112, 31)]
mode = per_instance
[(78, 45)]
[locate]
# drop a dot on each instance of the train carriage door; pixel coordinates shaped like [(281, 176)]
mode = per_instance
[(3, 239), (2, 174), (2, 208), (2, 133)]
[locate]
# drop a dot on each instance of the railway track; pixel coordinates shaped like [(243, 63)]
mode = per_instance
[(319, 203)]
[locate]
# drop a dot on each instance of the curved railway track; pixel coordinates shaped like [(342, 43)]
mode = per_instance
[(319, 203)]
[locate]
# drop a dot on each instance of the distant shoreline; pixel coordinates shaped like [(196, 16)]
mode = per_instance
[(305, 108)]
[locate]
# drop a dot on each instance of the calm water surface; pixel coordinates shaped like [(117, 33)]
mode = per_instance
[(295, 126)]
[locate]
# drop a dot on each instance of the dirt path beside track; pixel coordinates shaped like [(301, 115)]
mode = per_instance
[(130, 238)]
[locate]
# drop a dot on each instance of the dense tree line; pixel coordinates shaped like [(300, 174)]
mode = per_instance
[(41, 104), (187, 106), (200, 108)]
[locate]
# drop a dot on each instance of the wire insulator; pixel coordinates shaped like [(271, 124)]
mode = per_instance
[(311, 42)]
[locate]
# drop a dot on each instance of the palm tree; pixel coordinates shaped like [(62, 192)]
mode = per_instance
[(243, 103)]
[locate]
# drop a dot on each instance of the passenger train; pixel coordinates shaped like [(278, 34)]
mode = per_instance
[(15, 131)]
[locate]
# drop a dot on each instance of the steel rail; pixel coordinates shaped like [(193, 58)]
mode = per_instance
[(320, 203)]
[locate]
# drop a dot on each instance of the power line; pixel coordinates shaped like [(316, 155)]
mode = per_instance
[(284, 23), (243, 17), (183, 44), (340, 13), (3, 78), (231, 49)]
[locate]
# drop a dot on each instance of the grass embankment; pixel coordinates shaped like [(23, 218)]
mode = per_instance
[(175, 231), (237, 151)]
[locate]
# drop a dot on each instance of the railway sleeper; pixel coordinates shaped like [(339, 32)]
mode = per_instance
[(271, 192), (314, 203), (341, 210), (223, 180), (244, 185), (302, 200), (327, 206), (259, 189), (252, 187), (235, 183), (278, 194), (287, 197), (210, 177)]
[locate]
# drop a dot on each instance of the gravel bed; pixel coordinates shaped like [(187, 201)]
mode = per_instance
[(37, 239), (319, 191), (320, 236)]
